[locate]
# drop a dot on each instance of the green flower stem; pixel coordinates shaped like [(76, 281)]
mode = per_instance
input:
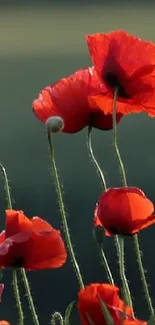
[(57, 316), (14, 272), (29, 297), (105, 264), (6, 187), (63, 214), (115, 141), (94, 161), (104, 186), (17, 297), (15, 283), (135, 237), (143, 278), (119, 241), (126, 291)]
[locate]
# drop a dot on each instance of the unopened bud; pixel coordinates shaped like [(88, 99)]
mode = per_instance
[(55, 124)]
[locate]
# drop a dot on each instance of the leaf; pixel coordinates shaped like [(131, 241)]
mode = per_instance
[(106, 313), (68, 313)]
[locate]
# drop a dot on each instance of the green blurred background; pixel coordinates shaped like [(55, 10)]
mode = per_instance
[(38, 45)]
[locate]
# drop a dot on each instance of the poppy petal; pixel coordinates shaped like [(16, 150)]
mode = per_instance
[(68, 98), (89, 303), (143, 223), (105, 103), (134, 322), (39, 224), (124, 210), (46, 248), (17, 222), (119, 47)]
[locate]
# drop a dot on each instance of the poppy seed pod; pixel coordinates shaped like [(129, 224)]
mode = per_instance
[(54, 124)]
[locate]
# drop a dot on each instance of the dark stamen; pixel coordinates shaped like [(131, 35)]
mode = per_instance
[(17, 262), (113, 82)]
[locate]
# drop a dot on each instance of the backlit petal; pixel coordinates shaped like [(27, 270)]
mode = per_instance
[(17, 222)]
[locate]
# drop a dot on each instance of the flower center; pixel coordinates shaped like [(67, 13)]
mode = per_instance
[(113, 82), (17, 262)]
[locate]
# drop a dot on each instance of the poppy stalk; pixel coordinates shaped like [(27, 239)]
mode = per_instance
[(14, 272), (135, 237), (119, 240), (15, 283), (104, 186), (63, 213)]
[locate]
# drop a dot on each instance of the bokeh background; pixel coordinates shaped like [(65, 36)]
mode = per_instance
[(40, 42)]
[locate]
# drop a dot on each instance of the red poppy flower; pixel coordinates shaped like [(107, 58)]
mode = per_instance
[(30, 243), (89, 305), (68, 98), (4, 322), (128, 63), (124, 210)]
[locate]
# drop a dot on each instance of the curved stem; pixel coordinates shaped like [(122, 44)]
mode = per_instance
[(115, 142), (104, 186), (142, 274), (57, 316), (119, 241), (15, 283), (14, 272), (105, 264), (135, 237), (29, 297), (63, 214), (6, 187), (17, 297), (94, 161)]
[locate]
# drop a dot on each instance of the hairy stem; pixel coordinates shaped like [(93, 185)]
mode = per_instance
[(142, 274), (115, 141), (14, 272), (15, 283), (135, 237), (94, 161), (119, 241), (63, 214), (29, 297), (6, 187), (105, 264), (17, 297), (126, 291), (104, 186)]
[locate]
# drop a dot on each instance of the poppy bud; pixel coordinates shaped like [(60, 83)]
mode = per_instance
[(54, 124)]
